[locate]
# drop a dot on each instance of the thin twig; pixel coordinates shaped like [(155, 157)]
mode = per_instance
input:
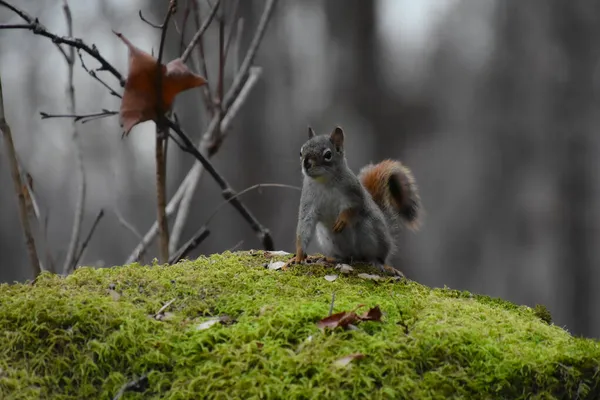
[(88, 238), (236, 10), (186, 15), (93, 74), (236, 246), (190, 245), (241, 76), (200, 32), (152, 24), (331, 305), (248, 189), (38, 29), (81, 117), (163, 308), (206, 92), (69, 264), (16, 176)]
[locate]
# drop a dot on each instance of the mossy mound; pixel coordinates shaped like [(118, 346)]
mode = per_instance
[(86, 335)]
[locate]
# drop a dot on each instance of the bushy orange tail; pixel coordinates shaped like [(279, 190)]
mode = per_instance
[(395, 191)]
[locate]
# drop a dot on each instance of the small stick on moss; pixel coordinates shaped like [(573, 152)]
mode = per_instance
[(12, 156), (332, 302), (136, 385), (163, 308)]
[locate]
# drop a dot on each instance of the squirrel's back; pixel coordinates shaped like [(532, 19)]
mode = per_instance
[(393, 188)]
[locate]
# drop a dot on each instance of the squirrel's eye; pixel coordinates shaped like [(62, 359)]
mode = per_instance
[(327, 155)]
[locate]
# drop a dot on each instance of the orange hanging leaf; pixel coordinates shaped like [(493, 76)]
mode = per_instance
[(139, 101)]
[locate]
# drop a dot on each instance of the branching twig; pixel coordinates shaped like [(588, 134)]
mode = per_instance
[(86, 242), (212, 139), (186, 144), (16, 176), (93, 74), (208, 101), (38, 29), (69, 264), (81, 117)]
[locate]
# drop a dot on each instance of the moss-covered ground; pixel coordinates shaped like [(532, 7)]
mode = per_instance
[(86, 335)]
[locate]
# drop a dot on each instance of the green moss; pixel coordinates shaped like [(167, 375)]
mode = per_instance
[(73, 338)]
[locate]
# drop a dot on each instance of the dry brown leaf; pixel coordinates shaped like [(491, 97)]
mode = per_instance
[(374, 314), (344, 361), (347, 319), (139, 101)]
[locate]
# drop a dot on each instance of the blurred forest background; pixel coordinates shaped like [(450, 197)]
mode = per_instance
[(493, 104)]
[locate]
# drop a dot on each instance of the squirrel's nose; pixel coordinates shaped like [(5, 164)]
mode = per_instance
[(308, 163)]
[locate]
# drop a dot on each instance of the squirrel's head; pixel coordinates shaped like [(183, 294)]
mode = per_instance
[(322, 155)]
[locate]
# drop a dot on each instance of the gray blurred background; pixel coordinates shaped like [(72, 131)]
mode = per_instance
[(493, 104)]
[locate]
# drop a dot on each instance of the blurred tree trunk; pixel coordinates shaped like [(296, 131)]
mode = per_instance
[(577, 33), (360, 84)]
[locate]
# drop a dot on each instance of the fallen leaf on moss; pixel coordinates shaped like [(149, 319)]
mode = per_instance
[(347, 319), (277, 265), (344, 268), (371, 277), (224, 320), (374, 314), (139, 101), (345, 361), (331, 278)]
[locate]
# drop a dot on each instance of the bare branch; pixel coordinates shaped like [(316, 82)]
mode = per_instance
[(70, 259), (38, 29), (81, 117), (16, 176), (200, 32), (208, 100), (93, 74), (88, 238), (241, 76)]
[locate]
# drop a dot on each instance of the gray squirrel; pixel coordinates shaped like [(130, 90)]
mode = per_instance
[(355, 218)]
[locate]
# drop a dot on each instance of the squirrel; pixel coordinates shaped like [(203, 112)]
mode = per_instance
[(355, 218)]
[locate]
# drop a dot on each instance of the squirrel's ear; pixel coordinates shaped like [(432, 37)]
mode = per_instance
[(311, 132), (337, 137)]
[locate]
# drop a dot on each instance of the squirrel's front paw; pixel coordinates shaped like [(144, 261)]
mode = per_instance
[(339, 225)]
